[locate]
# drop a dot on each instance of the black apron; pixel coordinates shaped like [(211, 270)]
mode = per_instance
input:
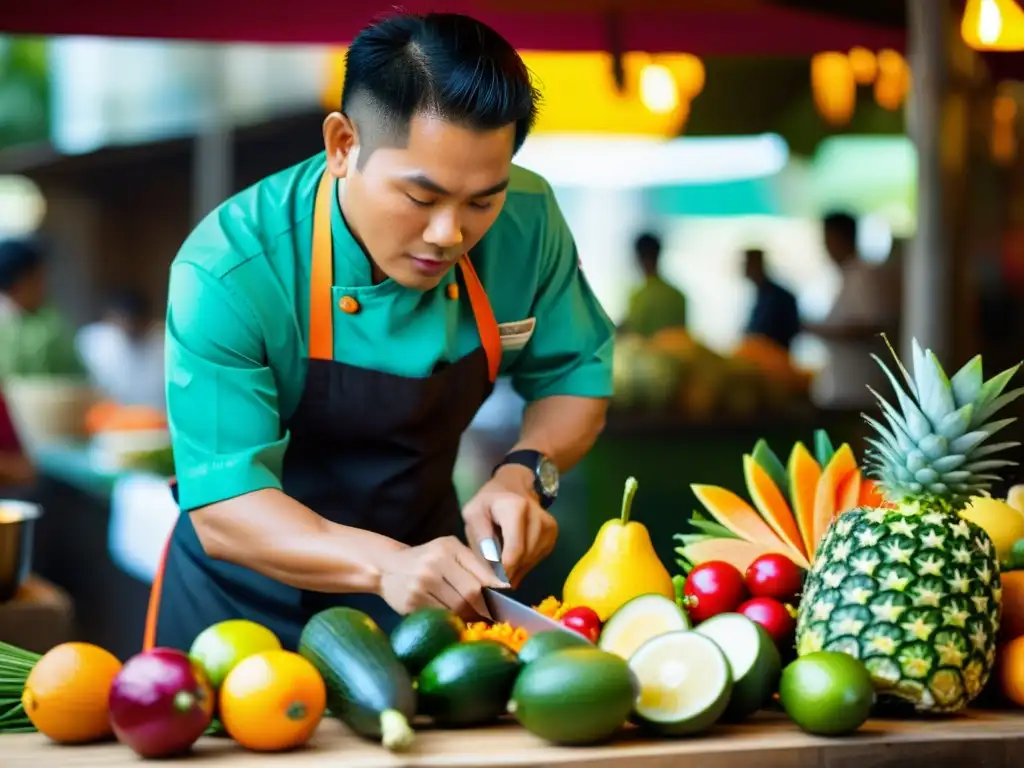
[(371, 450)]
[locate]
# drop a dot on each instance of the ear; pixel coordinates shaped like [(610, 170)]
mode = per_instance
[(341, 140)]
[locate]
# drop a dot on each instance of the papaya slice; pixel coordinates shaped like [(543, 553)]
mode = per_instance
[(770, 502), (842, 464), (804, 474), (737, 552), (848, 492), (739, 517), (769, 462), (870, 494)]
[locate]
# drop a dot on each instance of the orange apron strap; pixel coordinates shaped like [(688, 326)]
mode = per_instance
[(321, 277), (486, 325), (155, 592)]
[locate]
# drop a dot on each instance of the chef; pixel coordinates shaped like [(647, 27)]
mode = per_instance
[(332, 331)]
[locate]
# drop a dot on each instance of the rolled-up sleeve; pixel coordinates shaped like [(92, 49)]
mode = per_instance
[(570, 352), (222, 398)]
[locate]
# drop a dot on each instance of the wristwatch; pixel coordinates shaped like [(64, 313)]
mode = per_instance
[(545, 473)]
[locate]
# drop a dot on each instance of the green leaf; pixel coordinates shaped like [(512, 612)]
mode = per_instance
[(933, 391), (823, 448), (766, 458)]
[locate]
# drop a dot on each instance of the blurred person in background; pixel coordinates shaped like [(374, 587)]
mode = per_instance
[(867, 305), (35, 340), (656, 303), (775, 314), (124, 352)]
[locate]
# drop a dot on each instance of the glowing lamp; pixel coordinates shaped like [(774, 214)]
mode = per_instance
[(833, 87), (993, 25)]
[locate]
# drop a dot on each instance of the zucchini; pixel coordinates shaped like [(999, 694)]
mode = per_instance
[(368, 688), (468, 684), (423, 634)]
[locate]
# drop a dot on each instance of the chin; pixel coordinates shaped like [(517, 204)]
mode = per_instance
[(419, 282)]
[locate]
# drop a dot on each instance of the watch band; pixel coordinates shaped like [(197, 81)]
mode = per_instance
[(532, 460)]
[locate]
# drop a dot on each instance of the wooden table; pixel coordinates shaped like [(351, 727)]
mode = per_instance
[(978, 739)]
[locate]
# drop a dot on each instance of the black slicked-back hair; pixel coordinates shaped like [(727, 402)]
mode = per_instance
[(19, 258), (442, 64)]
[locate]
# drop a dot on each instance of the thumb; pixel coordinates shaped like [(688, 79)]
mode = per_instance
[(483, 541)]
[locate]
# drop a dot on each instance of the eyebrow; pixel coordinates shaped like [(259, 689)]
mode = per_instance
[(424, 181)]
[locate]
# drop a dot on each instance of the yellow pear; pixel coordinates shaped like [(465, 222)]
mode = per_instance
[(1015, 498), (621, 564), (1003, 523)]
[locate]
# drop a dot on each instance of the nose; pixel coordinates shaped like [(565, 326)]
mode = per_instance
[(445, 230)]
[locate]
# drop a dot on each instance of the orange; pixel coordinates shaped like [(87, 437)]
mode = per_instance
[(1010, 669), (66, 693), (272, 701), (1011, 624)]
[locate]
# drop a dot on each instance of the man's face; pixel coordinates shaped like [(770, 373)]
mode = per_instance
[(30, 291), (417, 209), (837, 246)]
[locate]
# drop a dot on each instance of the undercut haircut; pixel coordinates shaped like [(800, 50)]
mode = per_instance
[(444, 65)]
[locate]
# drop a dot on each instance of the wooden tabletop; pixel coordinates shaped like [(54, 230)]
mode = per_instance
[(978, 739)]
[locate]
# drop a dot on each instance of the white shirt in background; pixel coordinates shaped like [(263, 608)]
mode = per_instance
[(869, 297), (127, 371)]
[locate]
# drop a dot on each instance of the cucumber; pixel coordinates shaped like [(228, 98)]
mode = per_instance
[(574, 696), (368, 688), (638, 620), (468, 684), (753, 658), (685, 684), (550, 641), (423, 634)]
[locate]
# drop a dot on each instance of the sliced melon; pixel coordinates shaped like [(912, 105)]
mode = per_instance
[(638, 620), (769, 462), (771, 504), (739, 553), (804, 474), (870, 495), (842, 464), (848, 492), (739, 517), (685, 684), (754, 662)]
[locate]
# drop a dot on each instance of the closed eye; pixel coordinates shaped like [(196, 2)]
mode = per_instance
[(420, 203), (481, 206)]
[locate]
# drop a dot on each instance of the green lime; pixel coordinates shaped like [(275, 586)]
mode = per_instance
[(827, 693), (219, 647), (1017, 555)]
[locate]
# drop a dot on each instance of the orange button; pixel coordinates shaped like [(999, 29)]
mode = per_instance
[(348, 304), (453, 290)]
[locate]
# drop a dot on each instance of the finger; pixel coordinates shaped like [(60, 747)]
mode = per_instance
[(452, 599), (474, 563), (511, 515), (468, 586), (479, 526)]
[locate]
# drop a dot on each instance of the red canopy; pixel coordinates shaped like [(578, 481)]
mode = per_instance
[(703, 27)]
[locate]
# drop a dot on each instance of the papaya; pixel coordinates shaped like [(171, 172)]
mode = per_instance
[(735, 514), (737, 552), (848, 492), (771, 504), (804, 474), (841, 464)]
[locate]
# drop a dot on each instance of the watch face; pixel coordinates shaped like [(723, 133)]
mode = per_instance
[(547, 473)]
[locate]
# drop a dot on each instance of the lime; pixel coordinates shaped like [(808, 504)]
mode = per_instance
[(1017, 555), (827, 693), (219, 647)]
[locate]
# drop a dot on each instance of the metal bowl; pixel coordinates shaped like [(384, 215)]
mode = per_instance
[(17, 527)]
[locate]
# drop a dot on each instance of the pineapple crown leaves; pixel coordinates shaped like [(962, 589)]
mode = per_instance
[(932, 445)]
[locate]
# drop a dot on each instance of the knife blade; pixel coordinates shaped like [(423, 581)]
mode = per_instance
[(509, 610)]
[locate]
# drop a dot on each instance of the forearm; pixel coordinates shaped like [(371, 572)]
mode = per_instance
[(563, 428), (278, 537), (15, 468)]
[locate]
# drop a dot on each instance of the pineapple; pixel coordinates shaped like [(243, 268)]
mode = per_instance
[(913, 590)]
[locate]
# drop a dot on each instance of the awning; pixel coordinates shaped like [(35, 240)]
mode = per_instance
[(703, 27)]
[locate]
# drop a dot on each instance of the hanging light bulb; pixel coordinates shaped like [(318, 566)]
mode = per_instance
[(658, 89), (893, 83), (993, 25), (833, 87), (864, 65)]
